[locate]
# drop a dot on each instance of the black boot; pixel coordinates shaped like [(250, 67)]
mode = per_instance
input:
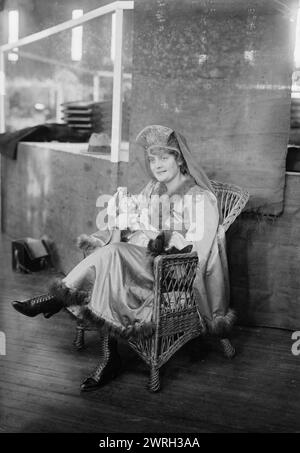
[(46, 304), (58, 297), (108, 368)]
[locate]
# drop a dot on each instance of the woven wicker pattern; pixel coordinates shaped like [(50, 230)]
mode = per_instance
[(231, 199), (175, 313)]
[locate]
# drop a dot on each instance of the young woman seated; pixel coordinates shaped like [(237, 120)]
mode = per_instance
[(112, 287)]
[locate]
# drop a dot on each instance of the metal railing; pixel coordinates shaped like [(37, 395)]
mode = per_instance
[(118, 8)]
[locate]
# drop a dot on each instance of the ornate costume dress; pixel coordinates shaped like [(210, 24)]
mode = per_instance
[(120, 276), (113, 286)]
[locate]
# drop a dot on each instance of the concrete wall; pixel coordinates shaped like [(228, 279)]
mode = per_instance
[(264, 260), (219, 72)]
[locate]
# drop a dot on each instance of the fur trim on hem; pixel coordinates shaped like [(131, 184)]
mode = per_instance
[(72, 315), (221, 326), (68, 296), (146, 329)]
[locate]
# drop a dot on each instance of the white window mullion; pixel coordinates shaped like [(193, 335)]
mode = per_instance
[(13, 32), (77, 34)]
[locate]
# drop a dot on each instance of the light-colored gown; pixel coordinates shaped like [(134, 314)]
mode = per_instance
[(120, 275)]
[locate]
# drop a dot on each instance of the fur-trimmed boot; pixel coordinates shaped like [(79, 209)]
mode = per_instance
[(108, 368), (58, 297)]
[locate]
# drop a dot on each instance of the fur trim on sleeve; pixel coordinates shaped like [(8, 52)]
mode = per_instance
[(85, 242)]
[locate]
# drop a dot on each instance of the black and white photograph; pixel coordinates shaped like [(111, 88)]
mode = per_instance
[(150, 220)]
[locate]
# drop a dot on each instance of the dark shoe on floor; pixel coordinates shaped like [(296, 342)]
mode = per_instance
[(104, 375), (108, 368), (46, 304)]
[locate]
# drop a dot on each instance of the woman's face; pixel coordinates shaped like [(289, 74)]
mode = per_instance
[(163, 165)]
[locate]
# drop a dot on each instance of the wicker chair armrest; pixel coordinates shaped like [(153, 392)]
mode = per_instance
[(161, 260), (164, 265)]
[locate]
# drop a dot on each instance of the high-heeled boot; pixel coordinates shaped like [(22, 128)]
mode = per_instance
[(45, 303), (108, 367), (58, 297)]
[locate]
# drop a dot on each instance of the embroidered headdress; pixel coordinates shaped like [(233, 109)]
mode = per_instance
[(156, 136)]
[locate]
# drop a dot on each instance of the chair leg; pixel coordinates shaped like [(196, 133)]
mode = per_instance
[(154, 382), (228, 349), (78, 342)]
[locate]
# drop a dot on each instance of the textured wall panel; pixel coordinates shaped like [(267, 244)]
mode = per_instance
[(219, 72), (264, 262)]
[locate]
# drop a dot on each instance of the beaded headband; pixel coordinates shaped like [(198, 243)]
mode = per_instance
[(170, 148)]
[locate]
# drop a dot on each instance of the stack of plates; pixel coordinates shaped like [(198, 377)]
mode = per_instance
[(81, 115), (94, 116), (295, 113)]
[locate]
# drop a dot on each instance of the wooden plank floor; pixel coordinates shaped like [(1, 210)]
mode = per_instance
[(258, 391)]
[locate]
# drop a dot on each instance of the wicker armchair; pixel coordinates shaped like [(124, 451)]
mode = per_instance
[(175, 313)]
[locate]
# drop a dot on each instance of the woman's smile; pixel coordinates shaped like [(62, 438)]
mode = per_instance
[(164, 166), (163, 174)]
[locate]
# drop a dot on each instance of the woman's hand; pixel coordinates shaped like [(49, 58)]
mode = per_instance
[(116, 236)]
